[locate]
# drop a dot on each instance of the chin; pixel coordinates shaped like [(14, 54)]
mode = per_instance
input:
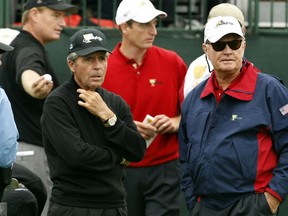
[(95, 85), (147, 46), (56, 37)]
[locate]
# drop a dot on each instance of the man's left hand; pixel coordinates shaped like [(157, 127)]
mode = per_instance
[(272, 201)]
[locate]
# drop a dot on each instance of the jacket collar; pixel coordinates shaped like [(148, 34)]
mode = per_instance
[(242, 89)]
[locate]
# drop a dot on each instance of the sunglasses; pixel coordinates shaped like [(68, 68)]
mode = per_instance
[(220, 45)]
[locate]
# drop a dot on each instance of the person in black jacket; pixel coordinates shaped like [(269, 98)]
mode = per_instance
[(89, 135)]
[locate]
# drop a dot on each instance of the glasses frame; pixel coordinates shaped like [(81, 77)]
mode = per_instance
[(221, 45)]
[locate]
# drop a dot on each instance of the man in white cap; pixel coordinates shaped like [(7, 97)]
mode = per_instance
[(22, 76), (149, 79), (233, 132), (201, 68)]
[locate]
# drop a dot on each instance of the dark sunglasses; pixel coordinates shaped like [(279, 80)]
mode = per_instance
[(220, 45)]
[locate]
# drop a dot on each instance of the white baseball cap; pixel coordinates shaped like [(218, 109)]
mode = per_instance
[(220, 26), (141, 11)]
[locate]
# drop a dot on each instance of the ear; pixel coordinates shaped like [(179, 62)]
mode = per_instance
[(71, 65), (244, 44), (124, 27), (33, 13), (205, 48)]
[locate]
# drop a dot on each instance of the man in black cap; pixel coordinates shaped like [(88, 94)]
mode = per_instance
[(89, 135), (22, 75)]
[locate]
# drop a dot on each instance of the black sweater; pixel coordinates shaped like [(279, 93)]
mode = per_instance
[(83, 155), (28, 54)]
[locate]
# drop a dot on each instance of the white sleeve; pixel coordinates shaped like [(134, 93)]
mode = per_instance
[(197, 72)]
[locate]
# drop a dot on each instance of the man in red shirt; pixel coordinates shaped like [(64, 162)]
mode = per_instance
[(148, 78)]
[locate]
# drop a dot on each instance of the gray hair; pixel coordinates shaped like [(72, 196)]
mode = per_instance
[(72, 56)]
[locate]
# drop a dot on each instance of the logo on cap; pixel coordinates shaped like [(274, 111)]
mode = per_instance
[(141, 3), (221, 22), (89, 37)]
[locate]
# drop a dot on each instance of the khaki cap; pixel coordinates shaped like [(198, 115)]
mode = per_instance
[(226, 9)]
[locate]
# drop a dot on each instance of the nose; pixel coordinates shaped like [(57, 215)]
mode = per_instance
[(227, 49), (153, 29), (62, 22), (96, 63), (154, 32)]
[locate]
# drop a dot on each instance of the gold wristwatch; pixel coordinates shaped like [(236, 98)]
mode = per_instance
[(110, 122), (124, 162)]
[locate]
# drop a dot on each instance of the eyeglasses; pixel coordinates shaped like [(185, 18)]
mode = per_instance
[(220, 45)]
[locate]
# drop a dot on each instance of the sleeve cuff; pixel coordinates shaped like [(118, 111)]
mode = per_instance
[(269, 190)]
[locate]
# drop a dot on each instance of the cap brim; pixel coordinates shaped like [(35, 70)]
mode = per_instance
[(144, 17), (64, 7), (5, 48), (89, 50), (215, 38)]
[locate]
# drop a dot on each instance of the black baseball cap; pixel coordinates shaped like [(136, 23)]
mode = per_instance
[(57, 5), (86, 41), (5, 48)]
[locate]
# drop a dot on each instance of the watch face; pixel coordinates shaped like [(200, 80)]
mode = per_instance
[(111, 121)]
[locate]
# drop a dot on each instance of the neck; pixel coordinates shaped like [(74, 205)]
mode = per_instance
[(29, 29), (224, 79), (133, 52)]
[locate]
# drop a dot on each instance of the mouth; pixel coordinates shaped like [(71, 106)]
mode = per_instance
[(58, 31), (150, 39), (227, 60), (96, 77)]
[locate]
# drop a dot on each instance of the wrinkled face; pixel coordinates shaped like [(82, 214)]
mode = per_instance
[(90, 70), (228, 60), (48, 23), (140, 35)]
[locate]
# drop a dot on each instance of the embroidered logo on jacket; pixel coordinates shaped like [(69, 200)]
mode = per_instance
[(284, 109), (235, 117)]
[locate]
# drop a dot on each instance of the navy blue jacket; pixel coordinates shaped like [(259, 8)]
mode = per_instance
[(238, 146)]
